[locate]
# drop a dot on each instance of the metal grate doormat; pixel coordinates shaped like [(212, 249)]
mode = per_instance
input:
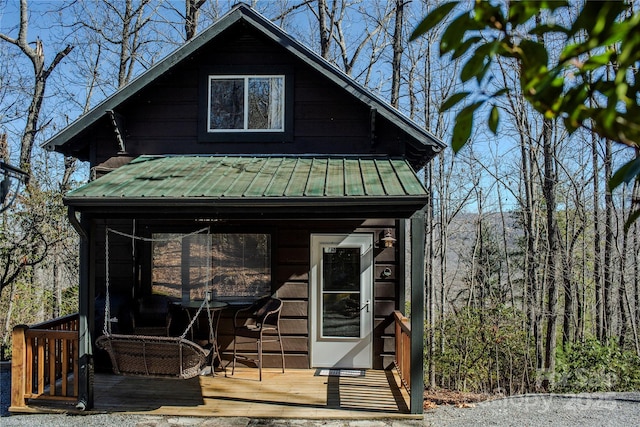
[(339, 372)]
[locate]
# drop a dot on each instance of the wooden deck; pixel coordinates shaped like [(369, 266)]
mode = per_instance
[(298, 393)]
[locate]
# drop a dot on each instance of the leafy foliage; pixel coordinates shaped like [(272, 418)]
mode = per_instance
[(486, 350), (591, 366), (593, 83)]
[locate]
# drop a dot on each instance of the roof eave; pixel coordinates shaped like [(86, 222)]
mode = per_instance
[(251, 209), (180, 202)]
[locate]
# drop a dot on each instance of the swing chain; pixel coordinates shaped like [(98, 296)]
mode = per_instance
[(107, 310), (106, 330)]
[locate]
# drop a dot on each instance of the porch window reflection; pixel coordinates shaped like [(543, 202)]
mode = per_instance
[(246, 104), (233, 264)]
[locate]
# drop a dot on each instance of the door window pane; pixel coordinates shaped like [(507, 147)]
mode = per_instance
[(341, 292), (341, 269), (341, 315)]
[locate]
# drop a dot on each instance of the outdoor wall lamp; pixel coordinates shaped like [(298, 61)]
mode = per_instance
[(388, 241)]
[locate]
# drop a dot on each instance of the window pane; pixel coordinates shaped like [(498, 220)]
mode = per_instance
[(241, 265), (233, 265), (196, 266), (227, 104), (166, 268), (266, 103)]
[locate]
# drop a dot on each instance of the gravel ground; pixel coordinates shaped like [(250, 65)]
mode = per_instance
[(584, 410)]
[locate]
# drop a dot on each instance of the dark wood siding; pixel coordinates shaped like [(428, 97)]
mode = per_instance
[(290, 276), (164, 118)]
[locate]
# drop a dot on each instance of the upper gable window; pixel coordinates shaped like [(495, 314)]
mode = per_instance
[(246, 104)]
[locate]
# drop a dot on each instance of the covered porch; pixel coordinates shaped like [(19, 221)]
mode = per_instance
[(298, 393), (46, 355), (152, 196)]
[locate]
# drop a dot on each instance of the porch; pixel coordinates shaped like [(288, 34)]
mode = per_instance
[(297, 393)]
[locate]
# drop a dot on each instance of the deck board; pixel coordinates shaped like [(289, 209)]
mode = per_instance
[(297, 393)]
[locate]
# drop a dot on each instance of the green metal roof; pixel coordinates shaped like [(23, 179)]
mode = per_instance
[(245, 177)]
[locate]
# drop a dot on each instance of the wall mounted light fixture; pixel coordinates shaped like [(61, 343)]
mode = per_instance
[(387, 241)]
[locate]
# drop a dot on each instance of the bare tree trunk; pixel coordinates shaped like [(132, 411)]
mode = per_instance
[(41, 74), (636, 269), (326, 30), (581, 292), (192, 13), (533, 297), (549, 190), (597, 256), (622, 289), (430, 294), (505, 247), (608, 247), (397, 54)]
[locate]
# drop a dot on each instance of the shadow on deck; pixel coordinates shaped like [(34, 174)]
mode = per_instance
[(298, 393)]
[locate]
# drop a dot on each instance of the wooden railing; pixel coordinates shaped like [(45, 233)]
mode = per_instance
[(403, 348), (44, 362)]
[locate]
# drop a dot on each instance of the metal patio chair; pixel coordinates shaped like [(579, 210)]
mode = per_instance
[(261, 324)]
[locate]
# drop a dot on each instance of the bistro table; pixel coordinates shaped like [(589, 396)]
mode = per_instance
[(215, 310)]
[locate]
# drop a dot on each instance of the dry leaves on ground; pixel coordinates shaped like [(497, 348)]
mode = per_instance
[(433, 398)]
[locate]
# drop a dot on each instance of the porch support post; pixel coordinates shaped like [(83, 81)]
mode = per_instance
[(417, 312), (86, 316), (401, 235)]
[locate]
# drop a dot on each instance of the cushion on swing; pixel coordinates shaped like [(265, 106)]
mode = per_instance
[(152, 315), (154, 356)]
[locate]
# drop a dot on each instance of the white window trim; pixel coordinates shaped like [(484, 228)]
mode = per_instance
[(246, 78)]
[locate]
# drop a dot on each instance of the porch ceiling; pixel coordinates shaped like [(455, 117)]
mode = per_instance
[(281, 184)]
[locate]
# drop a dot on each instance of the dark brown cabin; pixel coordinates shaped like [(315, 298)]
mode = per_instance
[(288, 165)]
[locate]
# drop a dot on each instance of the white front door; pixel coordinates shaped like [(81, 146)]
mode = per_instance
[(341, 300)]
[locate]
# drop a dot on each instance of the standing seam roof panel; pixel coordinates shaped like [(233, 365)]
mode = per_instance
[(172, 184), (353, 178), (299, 178), (388, 178), (211, 165), (131, 188), (316, 183), (263, 178), (335, 178), (371, 179), (247, 172), (281, 178), (407, 177)]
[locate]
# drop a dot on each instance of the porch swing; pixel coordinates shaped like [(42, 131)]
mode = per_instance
[(150, 355)]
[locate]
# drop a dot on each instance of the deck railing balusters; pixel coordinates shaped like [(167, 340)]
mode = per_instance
[(43, 355), (403, 348)]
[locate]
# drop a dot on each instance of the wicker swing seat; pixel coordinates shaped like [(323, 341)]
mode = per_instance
[(154, 356)]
